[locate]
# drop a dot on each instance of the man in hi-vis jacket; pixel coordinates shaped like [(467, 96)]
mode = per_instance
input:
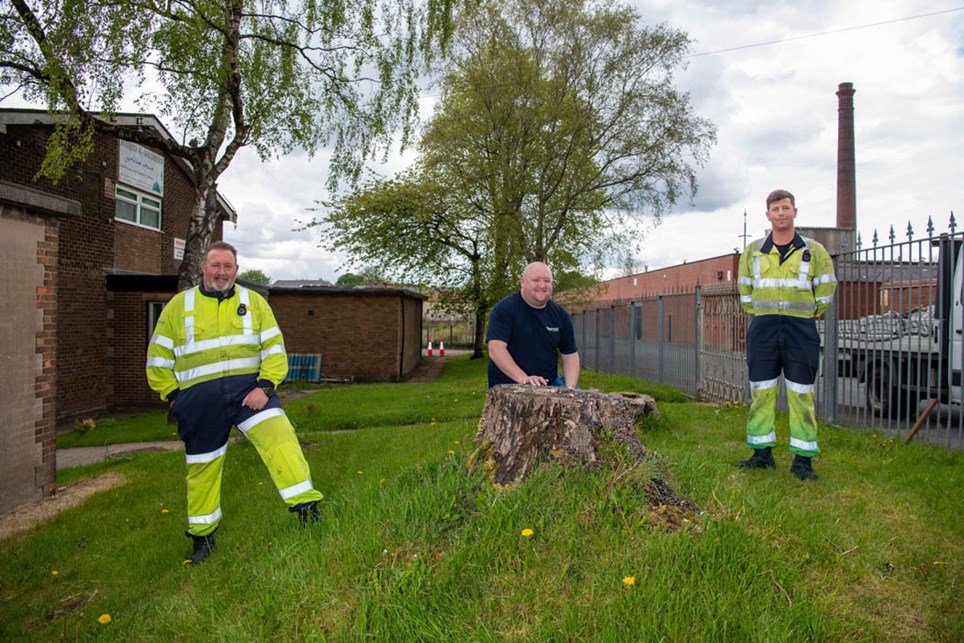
[(786, 281), (216, 356)]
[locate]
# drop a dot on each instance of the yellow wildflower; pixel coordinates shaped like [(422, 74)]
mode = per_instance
[(456, 442), (54, 573), (104, 619), (527, 532), (451, 452), (629, 581), (165, 511)]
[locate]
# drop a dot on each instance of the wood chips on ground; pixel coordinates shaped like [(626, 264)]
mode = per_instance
[(65, 497)]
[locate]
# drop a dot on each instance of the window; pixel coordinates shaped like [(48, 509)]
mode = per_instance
[(136, 207), (154, 309)]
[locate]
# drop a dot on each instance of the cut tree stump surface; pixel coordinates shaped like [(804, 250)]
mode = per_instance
[(520, 424)]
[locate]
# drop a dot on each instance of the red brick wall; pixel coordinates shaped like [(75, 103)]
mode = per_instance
[(128, 333), (89, 244), (359, 335), (707, 272), (28, 258)]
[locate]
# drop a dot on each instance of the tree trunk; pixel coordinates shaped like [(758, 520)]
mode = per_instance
[(521, 424)]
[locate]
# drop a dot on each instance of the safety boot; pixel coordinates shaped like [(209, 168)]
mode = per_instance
[(761, 459), (203, 545), (308, 513), (802, 468)]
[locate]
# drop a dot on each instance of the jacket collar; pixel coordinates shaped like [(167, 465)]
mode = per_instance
[(215, 294), (768, 244)]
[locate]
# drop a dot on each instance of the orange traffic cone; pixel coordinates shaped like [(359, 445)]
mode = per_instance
[(430, 348), (441, 348)]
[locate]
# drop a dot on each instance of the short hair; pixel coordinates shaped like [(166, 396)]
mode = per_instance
[(220, 245), (779, 195)]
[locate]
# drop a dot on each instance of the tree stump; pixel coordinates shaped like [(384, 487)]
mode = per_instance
[(520, 424)]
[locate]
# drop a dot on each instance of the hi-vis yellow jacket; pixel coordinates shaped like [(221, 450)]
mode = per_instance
[(802, 286), (198, 339)]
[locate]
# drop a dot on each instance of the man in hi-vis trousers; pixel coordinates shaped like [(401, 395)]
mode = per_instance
[(786, 281), (216, 356)]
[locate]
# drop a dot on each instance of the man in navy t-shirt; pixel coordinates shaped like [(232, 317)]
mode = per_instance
[(527, 334)]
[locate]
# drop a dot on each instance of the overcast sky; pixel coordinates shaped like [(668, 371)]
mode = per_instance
[(775, 107)]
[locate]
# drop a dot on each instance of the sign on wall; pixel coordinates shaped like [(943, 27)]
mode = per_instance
[(179, 248), (141, 168)]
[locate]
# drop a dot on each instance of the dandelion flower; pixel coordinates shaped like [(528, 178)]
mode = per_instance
[(382, 481), (104, 619), (527, 532), (165, 511), (456, 442), (187, 561), (54, 573), (451, 452), (359, 472), (629, 581)]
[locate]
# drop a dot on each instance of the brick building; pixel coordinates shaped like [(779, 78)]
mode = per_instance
[(715, 271), (79, 345), (361, 333)]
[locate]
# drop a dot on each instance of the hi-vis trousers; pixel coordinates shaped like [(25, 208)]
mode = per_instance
[(205, 414), (791, 345)]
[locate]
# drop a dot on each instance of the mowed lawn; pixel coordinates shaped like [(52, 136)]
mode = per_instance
[(417, 545)]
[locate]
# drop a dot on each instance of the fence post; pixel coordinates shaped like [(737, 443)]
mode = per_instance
[(698, 339), (612, 339), (831, 345), (660, 329), (596, 345), (633, 322)]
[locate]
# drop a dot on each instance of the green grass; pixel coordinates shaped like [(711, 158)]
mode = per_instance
[(415, 546)]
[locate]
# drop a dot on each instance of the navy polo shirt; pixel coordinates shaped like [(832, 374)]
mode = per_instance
[(534, 336)]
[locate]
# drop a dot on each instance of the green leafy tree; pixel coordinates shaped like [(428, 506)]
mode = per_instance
[(275, 74), (349, 280), (560, 121), (557, 132), (256, 276)]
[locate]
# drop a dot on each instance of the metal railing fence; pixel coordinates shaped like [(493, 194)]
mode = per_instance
[(891, 355)]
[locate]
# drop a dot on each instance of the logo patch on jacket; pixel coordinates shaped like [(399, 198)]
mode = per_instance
[(552, 329)]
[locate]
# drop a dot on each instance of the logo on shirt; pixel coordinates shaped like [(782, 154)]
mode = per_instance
[(552, 329)]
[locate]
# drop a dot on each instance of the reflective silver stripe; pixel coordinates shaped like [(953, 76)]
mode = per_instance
[(804, 270), (760, 439), (278, 349), (825, 300), (746, 299), (764, 384), (160, 362), (805, 446), (745, 281), (189, 318), (268, 334), (246, 319), (161, 340), (783, 305), (204, 458), (209, 519), (294, 490), (218, 342), (802, 284), (218, 367), (756, 266), (825, 279), (801, 389), (258, 418)]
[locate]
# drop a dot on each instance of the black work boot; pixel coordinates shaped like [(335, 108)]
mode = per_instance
[(802, 468), (761, 459), (203, 545), (308, 513)]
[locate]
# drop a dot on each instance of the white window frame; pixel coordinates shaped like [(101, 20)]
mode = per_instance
[(141, 201), (154, 309)]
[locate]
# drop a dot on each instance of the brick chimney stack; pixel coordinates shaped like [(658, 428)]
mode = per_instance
[(846, 172)]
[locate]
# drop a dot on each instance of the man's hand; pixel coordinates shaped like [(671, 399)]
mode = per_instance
[(534, 380), (255, 400)]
